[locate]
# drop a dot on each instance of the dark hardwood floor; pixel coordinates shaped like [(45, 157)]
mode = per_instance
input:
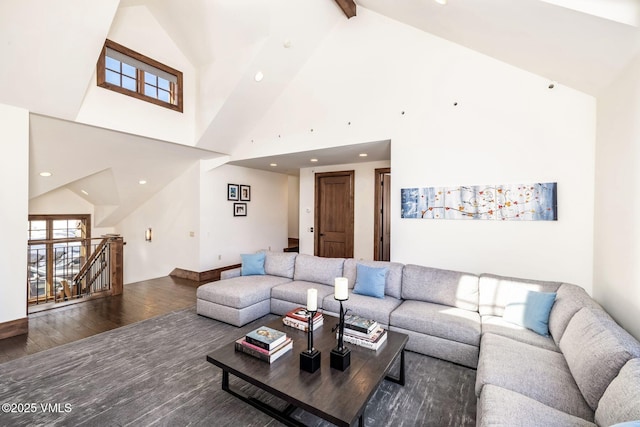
[(139, 301)]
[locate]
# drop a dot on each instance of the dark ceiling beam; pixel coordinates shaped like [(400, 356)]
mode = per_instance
[(348, 7)]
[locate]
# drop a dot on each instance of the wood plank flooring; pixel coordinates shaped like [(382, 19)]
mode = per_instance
[(139, 301)]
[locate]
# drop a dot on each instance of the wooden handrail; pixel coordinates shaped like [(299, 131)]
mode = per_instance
[(91, 260)]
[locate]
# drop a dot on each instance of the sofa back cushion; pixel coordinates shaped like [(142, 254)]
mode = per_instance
[(280, 263), (596, 348), (393, 285), (446, 287), (317, 269), (569, 300), (621, 401), (498, 291)]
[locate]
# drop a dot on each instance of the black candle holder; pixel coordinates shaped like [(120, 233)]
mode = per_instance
[(341, 355), (310, 358)]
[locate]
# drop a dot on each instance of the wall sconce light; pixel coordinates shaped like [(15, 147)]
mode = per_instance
[(148, 234)]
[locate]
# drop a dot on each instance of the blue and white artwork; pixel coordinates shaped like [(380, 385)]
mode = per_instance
[(510, 202)]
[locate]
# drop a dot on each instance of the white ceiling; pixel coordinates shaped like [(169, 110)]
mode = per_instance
[(291, 163), (582, 44), (578, 43)]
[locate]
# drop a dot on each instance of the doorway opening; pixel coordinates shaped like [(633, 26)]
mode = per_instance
[(382, 216), (334, 214)]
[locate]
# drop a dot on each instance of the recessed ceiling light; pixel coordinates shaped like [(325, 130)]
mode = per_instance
[(84, 192), (363, 154), (313, 160), (273, 165), (286, 43), (46, 174), (441, 1), (142, 182), (259, 76)]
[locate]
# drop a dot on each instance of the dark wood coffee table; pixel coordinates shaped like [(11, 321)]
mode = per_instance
[(336, 396)]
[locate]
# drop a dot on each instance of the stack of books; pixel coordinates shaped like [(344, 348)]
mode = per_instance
[(299, 319), (265, 343), (363, 332)]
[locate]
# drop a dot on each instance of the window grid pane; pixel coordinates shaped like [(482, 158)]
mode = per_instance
[(113, 78), (163, 95), (129, 83), (163, 84), (128, 70), (112, 64), (151, 91), (150, 79)]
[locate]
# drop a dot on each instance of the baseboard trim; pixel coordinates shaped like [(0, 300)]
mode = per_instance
[(203, 276), (14, 327)]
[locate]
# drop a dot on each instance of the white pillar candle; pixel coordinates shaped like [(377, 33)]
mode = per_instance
[(312, 300), (342, 288)]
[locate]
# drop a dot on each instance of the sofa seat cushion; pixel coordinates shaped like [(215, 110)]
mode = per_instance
[(377, 309), (439, 286), (438, 320), (296, 292), (540, 374), (569, 300), (621, 401), (498, 291), (233, 316), (240, 292), (596, 348), (499, 326), (316, 269), (501, 407), (393, 285)]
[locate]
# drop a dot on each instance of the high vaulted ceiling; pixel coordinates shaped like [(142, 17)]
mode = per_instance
[(49, 51)]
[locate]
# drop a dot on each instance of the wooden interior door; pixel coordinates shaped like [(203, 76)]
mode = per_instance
[(382, 216), (334, 214)]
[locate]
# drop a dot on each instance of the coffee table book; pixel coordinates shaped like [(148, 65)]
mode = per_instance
[(268, 356), (378, 338), (359, 324), (265, 337), (300, 313), (302, 325)]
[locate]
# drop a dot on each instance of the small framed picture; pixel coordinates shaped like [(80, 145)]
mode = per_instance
[(239, 209), (245, 193), (233, 192)]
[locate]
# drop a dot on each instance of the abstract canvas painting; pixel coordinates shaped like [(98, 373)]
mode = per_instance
[(507, 202)]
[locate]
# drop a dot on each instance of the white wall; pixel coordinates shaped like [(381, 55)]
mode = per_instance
[(136, 28), (14, 173), (64, 201), (172, 215), (508, 127), (617, 227), (293, 221), (225, 237), (364, 204)]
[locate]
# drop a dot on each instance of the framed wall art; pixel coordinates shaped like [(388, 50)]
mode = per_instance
[(245, 193), (233, 192), (504, 202), (239, 209)]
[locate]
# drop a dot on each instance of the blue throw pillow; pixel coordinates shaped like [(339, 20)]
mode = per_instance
[(370, 281), (253, 264), (532, 311)]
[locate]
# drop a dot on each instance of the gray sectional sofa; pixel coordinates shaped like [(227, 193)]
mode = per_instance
[(585, 372)]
